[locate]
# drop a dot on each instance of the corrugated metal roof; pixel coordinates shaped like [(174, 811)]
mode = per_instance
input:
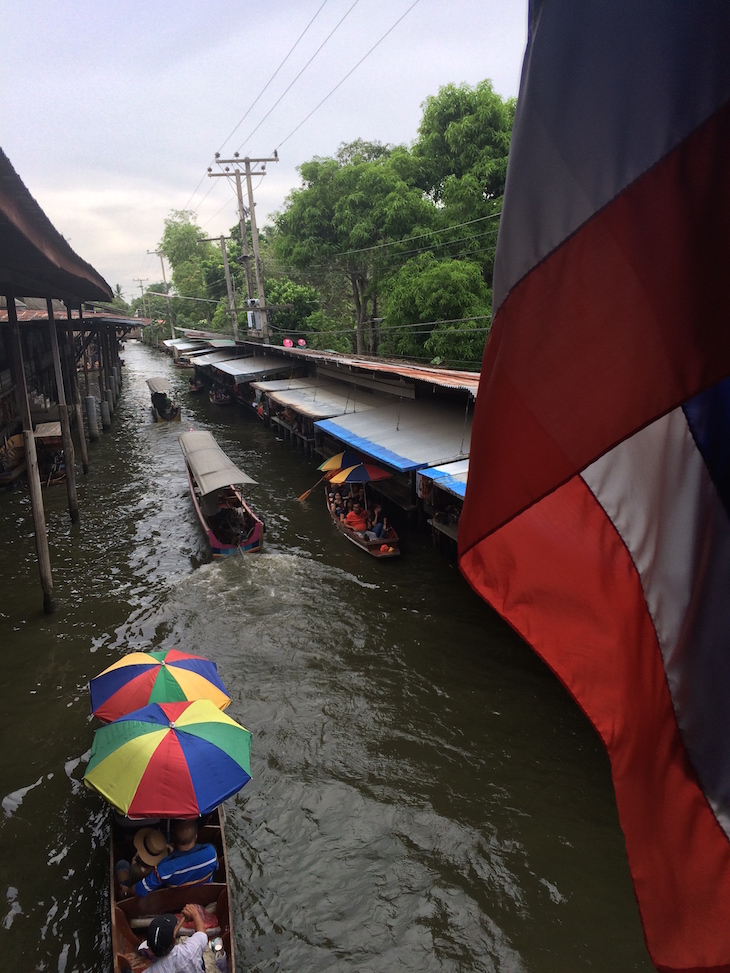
[(246, 369), (450, 477), (320, 400), (443, 377), (221, 343), (211, 468), (408, 436)]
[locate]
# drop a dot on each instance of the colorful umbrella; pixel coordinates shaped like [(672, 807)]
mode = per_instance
[(341, 460), (170, 760), (165, 676), (362, 473)]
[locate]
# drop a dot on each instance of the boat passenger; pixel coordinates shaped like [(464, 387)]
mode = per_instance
[(378, 524), (189, 864), (187, 954), (356, 520)]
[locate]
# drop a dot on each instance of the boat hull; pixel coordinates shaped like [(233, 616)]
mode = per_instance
[(159, 418), (253, 539), (129, 916)]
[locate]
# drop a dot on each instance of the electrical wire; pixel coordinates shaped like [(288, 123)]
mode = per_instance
[(376, 44), (291, 51), (335, 28)]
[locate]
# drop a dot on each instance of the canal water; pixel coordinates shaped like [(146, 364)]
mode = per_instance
[(425, 796)]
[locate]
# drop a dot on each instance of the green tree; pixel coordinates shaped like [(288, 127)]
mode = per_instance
[(302, 301), (437, 309), (464, 137), (346, 210), (197, 268)]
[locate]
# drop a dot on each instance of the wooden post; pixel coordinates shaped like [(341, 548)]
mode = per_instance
[(34, 482), (75, 393), (69, 457)]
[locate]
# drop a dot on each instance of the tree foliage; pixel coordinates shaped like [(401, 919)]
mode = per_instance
[(346, 210), (437, 309), (382, 249)]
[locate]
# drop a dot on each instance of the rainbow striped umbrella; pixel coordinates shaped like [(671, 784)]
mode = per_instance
[(340, 460), (164, 676), (361, 473), (170, 760)]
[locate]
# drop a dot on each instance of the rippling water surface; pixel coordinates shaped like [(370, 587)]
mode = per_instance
[(425, 796)]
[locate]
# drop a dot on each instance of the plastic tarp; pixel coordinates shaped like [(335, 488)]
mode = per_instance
[(158, 384), (246, 369), (450, 477), (210, 467), (409, 436), (320, 401)]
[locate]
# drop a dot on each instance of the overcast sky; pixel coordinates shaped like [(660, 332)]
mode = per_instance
[(112, 110)]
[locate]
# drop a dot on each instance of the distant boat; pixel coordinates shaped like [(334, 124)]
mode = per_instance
[(229, 523), (163, 408), (221, 397)]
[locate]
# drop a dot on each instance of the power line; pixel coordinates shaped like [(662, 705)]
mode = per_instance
[(291, 51), (377, 43), (419, 236), (335, 28)]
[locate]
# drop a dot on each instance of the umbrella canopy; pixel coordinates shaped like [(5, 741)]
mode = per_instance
[(340, 461), (170, 760), (362, 473), (165, 676)]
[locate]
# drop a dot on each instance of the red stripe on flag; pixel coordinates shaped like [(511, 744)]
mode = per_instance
[(623, 322), (563, 579)]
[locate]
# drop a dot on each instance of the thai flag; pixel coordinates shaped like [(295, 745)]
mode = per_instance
[(597, 511)]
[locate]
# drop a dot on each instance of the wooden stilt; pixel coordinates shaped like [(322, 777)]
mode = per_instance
[(69, 456), (75, 393), (34, 482)]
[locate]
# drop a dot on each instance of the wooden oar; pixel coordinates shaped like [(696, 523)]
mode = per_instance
[(307, 492)]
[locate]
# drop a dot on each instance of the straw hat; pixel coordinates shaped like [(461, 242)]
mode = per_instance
[(151, 845)]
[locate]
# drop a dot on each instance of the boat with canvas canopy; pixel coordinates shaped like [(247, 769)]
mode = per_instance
[(163, 408), (229, 523)]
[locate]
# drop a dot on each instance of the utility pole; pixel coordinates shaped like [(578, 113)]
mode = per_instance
[(141, 290), (229, 282), (236, 161), (167, 296)]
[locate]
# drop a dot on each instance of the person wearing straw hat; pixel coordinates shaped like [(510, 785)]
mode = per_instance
[(151, 847), (189, 863)]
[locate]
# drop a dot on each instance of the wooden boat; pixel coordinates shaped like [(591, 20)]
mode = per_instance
[(221, 397), (163, 408), (130, 916), (386, 546), (195, 386), (229, 523)]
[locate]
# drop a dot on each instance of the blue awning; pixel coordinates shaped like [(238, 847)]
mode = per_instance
[(450, 477), (408, 436)]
